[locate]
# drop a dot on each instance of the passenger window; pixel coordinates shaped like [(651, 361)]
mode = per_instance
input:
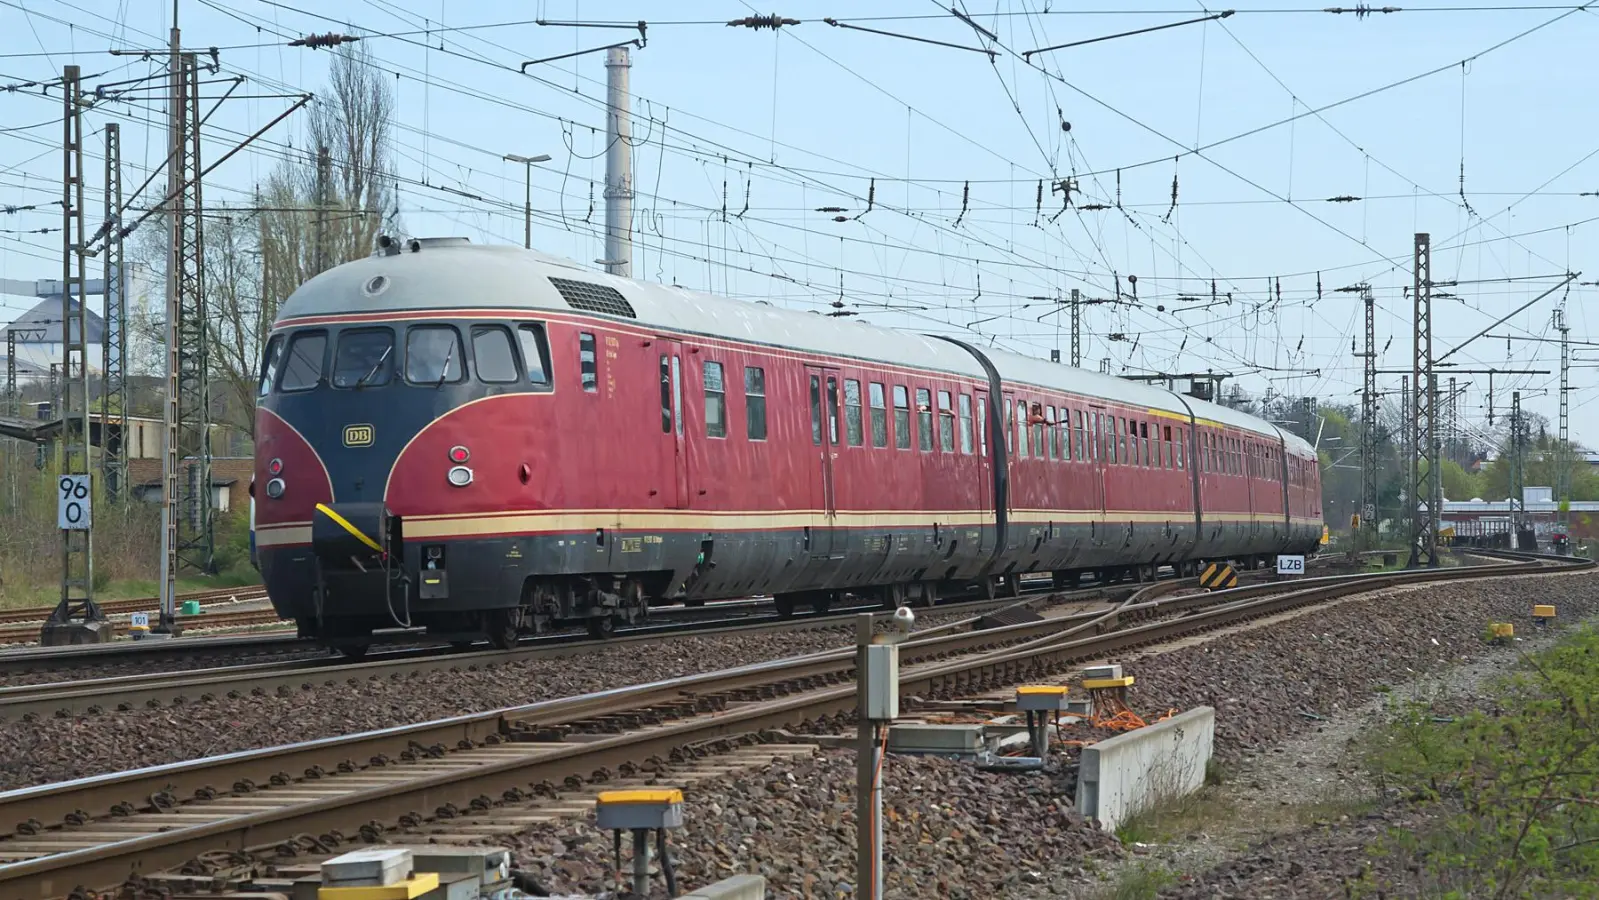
[(715, 401), (852, 412), (924, 418), (587, 362), (303, 371), (666, 394), (1182, 463), (535, 353), (1035, 420), (832, 410), (1054, 432), (982, 425), (816, 410), (1021, 429), (365, 358), (493, 356), (966, 422), (755, 403), (433, 355), (269, 366), (879, 405), (946, 423), (902, 418), (1077, 420)]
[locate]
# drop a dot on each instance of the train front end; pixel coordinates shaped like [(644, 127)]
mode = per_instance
[(383, 391)]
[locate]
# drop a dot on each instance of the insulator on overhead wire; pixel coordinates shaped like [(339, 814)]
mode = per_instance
[(772, 21)]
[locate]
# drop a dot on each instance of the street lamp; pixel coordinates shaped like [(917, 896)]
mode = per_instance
[(528, 161)]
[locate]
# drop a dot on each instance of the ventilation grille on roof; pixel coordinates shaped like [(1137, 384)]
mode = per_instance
[(594, 297)]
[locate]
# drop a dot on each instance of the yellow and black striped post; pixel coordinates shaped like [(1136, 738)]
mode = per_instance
[(1218, 577)]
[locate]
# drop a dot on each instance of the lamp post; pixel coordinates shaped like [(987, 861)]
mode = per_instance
[(527, 209)]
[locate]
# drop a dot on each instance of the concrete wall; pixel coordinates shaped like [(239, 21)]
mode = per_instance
[(1128, 773), (739, 887)]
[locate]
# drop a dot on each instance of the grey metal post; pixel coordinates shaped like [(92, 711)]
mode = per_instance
[(618, 165), (527, 203), (1563, 449), (868, 793), (641, 862), (1424, 427), (1077, 329), (114, 346), (1368, 419)]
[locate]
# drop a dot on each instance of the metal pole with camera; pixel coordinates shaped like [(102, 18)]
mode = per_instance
[(877, 693)]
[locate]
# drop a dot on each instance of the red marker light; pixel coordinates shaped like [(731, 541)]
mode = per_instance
[(275, 467), (459, 455)]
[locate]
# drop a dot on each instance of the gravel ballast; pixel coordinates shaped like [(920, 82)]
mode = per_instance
[(58, 749)]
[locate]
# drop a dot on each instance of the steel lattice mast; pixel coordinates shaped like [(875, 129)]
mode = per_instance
[(114, 346)]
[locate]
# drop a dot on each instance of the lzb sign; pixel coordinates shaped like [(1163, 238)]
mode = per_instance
[(1290, 565), (72, 511)]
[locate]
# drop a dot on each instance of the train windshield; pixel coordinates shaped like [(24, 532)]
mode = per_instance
[(365, 358)]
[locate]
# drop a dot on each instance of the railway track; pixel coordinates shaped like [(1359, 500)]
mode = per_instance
[(95, 831), (213, 619), (38, 614), (156, 689)]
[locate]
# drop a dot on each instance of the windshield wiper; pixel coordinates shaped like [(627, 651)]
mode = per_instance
[(449, 355), (375, 366)]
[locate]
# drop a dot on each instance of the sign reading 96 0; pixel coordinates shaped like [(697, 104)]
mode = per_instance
[(72, 511)]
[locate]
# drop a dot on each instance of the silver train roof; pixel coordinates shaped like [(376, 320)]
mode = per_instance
[(452, 273)]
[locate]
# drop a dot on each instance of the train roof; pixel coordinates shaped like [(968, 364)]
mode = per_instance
[(445, 273)]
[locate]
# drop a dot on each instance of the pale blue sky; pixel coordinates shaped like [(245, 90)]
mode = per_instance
[(808, 116)]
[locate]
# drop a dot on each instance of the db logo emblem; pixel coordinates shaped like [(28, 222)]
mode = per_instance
[(358, 435)]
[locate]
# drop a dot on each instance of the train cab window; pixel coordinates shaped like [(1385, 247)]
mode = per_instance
[(924, 419), (269, 365), (365, 358), (946, 423), (433, 355), (879, 405), (588, 362), (902, 417), (755, 402), (965, 406), (303, 370), (492, 355), (715, 401), (853, 426), (535, 353)]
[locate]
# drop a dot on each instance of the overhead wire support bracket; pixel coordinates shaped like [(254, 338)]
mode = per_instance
[(1569, 277), (1027, 55), (642, 41), (975, 27), (991, 54)]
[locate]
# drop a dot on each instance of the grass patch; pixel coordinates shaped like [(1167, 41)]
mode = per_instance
[(1140, 881), (1204, 810), (1519, 786)]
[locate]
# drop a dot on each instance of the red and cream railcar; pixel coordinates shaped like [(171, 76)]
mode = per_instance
[(491, 440)]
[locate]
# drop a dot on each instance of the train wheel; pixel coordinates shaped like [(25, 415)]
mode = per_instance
[(353, 651), (695, 603), (601, 627), (785, 606), (821, 605), (500, 626)]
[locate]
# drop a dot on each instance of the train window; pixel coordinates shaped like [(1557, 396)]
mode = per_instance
[(666, 394), (535, 353), (588, 362), (832, 410), (816, 410), (924, 419), (1052, 442), (1034, 419), (1010, 422), (965, 405), (365, 358), (269, 365), (1178, 450), (755, 402), (946, 423), (715, 401), (1132, 435), (491, 355), (853, 426), (433, 355), (879, 404), (1143, 438), (1121, 440), (303, 371), (1021, 429), (1081, 437), (982, 425), (902, 417)]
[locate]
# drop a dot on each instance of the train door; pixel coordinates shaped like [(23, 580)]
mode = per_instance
[(672, 421), (822, 386)]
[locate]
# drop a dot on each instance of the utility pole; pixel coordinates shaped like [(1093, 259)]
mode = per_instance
[(618, 165), (187, 537), (1368, 417), (76, 618), (1563, 448), (1452, 422), (1077, 329), (1426, 480), (1518, 487), (319, 249), (1407, 505), (114, 347)]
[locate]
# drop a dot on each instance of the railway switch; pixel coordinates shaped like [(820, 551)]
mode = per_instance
[(1041, 703), (642, 811)]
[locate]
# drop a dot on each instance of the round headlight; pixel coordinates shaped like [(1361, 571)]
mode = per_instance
[(460, 476), (275, 488)]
